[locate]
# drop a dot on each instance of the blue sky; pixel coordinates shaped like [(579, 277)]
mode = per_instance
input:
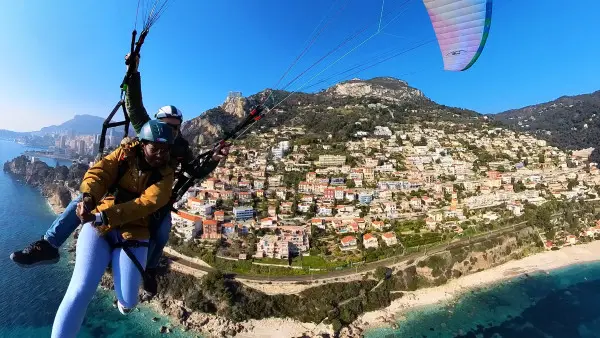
[(61, 58)]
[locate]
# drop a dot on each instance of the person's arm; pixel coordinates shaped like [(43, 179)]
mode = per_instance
[(153, 198), (98, 179), (133, 99), (188, 158)]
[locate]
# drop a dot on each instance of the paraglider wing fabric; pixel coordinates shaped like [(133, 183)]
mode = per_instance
[(461, 28)]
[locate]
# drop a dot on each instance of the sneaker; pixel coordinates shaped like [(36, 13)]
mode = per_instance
[(150, 285), (123, 309), (37, 253)]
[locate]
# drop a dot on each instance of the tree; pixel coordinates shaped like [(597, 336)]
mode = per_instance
[(542, 158), (350, 184), (380, 272), (519, 186)]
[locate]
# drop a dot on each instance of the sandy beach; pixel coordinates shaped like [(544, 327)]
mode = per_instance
[(544, 261)]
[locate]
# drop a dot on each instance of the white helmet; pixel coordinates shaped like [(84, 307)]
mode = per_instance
[(169, 111)]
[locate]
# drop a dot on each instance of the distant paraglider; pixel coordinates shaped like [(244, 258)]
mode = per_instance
[(461, 28)]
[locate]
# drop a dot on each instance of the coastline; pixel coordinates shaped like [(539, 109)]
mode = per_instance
[(211, 325), (56, 209), (541, 262)]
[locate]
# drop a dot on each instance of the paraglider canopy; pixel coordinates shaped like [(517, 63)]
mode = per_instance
[(461, 28)]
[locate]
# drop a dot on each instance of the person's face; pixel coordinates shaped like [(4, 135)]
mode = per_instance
[(174, 123), (156, 154)]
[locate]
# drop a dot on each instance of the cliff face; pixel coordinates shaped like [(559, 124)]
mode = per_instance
[(388, 89), (57, 184), (217, 304)]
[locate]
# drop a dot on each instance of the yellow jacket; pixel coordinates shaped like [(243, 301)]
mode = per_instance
[(130, 218)]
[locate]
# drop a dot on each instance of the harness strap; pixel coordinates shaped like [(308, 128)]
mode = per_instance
[(126, 247)]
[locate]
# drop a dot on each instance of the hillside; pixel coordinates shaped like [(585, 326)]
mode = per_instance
[(570, 122), (342, 110), (80, 124), (8, 134)]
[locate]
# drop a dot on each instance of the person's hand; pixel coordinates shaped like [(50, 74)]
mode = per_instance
[(221, 151), (84, 214), (132, 65), (88, 202)]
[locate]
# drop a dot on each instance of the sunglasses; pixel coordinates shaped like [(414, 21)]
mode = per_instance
[(156, 149)]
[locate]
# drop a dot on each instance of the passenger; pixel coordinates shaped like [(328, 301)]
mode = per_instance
[(119, 193), (45, 251)]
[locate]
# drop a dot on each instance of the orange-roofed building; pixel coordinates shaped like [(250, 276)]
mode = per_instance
[(370, 241), (228, 228), (210, 229), (389, 238), (348, 243), (186, 225), (220, 215)]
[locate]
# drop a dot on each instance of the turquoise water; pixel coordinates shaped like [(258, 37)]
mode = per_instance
[(563, 303), (29, 298)]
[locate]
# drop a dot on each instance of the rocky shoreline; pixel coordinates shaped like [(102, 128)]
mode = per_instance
[(210, 325), (58, 184)]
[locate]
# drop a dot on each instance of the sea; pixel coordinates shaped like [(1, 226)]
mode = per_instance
[(30, 297), (560, 303)]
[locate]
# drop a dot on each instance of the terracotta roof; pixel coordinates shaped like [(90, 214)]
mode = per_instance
[(348, 239), (188, 216), (389, 235)]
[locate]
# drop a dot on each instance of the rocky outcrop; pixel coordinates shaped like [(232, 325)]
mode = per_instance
[(235, 105), (388, 89), (217, 306), (322, 112), (57, 184)]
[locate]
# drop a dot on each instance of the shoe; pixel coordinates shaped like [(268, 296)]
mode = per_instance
[(37, 253), (150, 285), (125, 311)]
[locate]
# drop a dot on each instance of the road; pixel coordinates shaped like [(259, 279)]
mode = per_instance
[(348, 272)]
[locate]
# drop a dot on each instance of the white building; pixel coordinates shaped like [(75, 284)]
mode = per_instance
[(186, 225)]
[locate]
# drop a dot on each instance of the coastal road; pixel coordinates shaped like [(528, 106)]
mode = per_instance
[(359, 270)]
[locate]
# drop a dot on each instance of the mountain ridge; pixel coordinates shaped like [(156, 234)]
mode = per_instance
[(571, 122), (84, 124), (340, 111)]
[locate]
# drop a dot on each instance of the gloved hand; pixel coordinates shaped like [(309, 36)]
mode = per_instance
[(88, 202), (132, 65), (221, 151), (85, 214)]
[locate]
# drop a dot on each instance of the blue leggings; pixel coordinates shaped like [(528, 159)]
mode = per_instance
[(92, 257), (67, 222)]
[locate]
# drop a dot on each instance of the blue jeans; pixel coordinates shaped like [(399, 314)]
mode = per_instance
[(67, 222), (92, 257), (64, 225), (159, 236)]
